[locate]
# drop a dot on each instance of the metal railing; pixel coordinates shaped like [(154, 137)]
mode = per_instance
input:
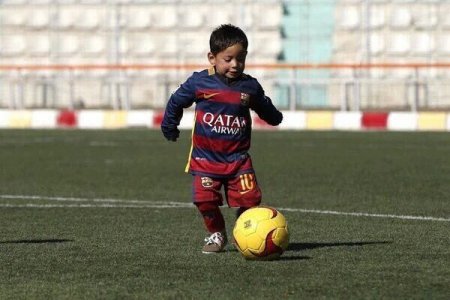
[(292, 86)]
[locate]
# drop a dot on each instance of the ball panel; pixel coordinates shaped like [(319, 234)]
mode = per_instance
[(279, 220), (270, 251), (281, 238), (257, 214), (265, 227), (273, 211), (255, 243), (246, 224), (249, 255)]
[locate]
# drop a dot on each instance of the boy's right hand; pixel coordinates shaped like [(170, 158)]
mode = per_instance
[(171, 133)]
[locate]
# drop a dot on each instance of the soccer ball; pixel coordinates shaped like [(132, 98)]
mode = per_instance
[(261, 233)]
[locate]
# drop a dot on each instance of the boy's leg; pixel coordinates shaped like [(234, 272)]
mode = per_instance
[(208, 198), (212, 216)]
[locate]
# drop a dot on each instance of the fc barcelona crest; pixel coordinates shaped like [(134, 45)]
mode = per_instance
[(245, 99), (207, 182)]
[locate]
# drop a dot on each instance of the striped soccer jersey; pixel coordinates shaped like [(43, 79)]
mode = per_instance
[(222, 130)]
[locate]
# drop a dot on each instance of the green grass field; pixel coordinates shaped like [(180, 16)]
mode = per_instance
[(107, 214)]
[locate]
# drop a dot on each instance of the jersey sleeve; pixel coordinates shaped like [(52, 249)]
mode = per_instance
[(182, 98), (265, 109)]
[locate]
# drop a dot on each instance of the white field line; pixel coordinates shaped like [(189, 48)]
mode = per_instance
[(361, 214), (138, 203), (32, 205), (125, 203)]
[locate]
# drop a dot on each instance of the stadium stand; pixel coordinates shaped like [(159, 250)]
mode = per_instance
[(139, 18), (13, 45), (38, 19), (80, 33), (402, 32), (86, 32)]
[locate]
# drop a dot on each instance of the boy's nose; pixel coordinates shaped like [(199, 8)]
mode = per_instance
[(233, 63)]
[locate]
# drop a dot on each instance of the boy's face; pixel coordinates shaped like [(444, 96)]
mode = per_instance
[(229, 62)]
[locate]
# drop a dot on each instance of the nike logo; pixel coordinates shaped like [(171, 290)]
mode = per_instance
[(207, 96), (244, 192)]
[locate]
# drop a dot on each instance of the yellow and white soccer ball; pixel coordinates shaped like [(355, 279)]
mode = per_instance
[(261, 233)]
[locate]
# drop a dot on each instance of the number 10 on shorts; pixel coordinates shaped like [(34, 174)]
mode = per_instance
[(247, 183)]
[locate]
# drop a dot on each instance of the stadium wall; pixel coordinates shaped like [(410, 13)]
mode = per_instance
[(293, 120)]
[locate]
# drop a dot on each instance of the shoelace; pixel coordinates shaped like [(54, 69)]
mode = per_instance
[(215, 238)]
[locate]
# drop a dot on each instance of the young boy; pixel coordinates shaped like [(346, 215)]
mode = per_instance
[(221, 135)]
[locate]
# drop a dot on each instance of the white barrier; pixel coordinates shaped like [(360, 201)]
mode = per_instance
[(293, 120)]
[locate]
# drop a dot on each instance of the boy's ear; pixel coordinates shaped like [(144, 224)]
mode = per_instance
[(211, 58)]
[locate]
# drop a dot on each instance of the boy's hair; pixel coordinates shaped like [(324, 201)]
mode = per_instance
[(225, 36)]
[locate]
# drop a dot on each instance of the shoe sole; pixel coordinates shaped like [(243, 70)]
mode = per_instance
[(211, 252), (206, 252)]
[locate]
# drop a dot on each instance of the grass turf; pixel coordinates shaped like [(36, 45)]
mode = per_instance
[(71, 251)]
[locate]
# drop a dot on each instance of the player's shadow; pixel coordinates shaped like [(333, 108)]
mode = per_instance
[(298, 247), (308, 246), (37, 241), (295, 257), (291, 257)]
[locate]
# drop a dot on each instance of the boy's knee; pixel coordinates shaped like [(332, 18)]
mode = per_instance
[(205, 206)]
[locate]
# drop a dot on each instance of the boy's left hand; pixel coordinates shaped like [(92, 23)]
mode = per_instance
[(170, 133)]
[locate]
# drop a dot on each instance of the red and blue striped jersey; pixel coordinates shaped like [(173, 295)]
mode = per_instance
[(222, 130)]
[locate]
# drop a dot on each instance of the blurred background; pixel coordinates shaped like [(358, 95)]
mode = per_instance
[(348, 55)]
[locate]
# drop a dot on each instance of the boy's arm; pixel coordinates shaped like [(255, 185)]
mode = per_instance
[(265, 109), (182, 98)]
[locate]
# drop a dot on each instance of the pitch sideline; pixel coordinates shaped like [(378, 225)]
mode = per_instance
[(126, 203)]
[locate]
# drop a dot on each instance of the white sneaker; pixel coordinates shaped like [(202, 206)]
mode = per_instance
[(215, 243)]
